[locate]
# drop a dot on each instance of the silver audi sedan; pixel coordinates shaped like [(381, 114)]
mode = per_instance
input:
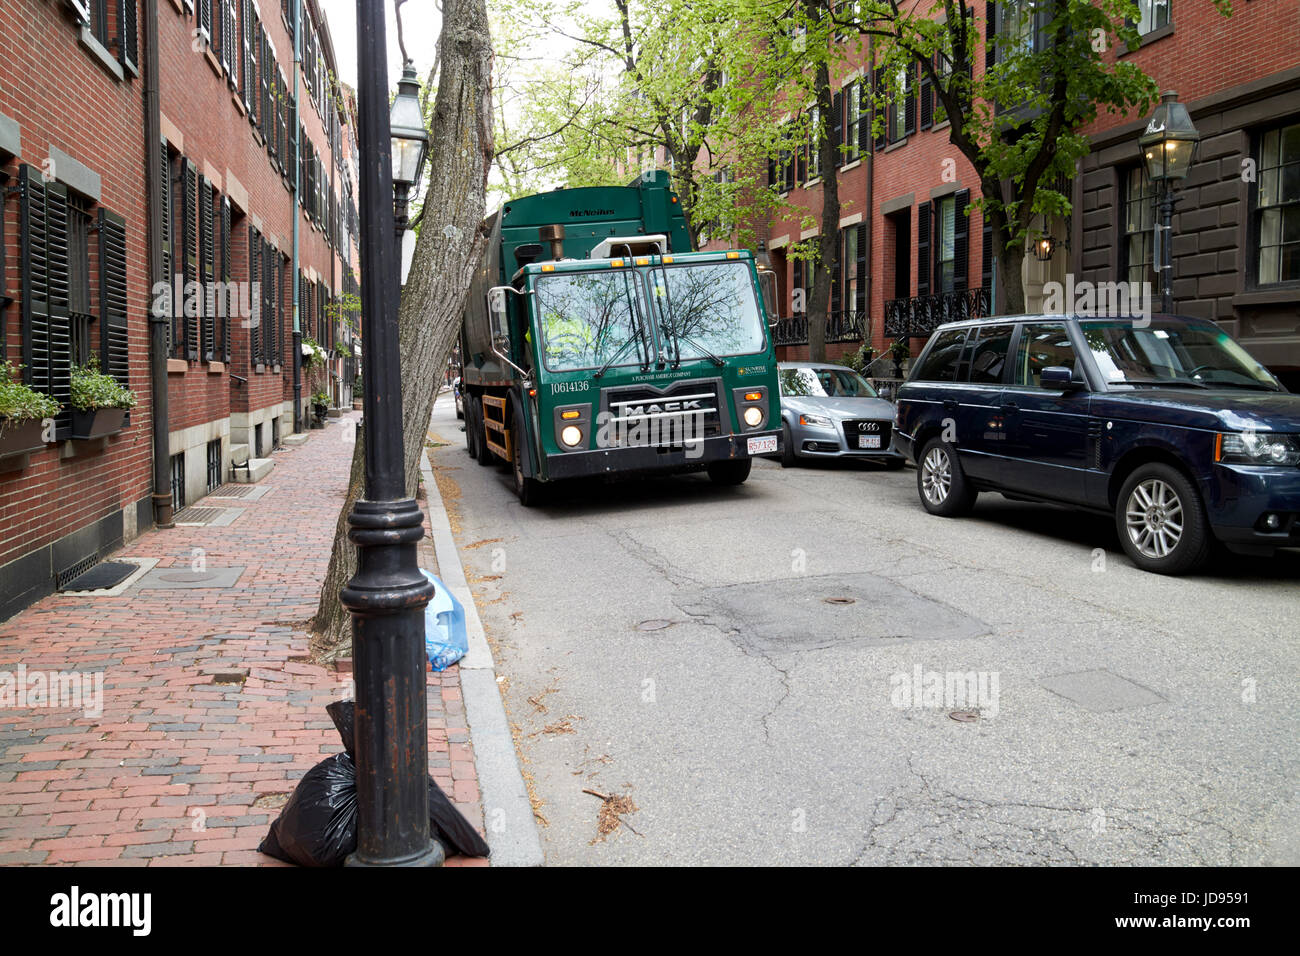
[(829, 411)]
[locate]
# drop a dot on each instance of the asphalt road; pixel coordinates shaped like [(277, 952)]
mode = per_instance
[(672, 641)]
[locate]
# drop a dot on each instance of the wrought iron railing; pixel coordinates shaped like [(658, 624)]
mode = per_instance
[(920, 315), (840, 327)]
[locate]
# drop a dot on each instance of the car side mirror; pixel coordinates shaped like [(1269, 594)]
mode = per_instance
[(497, 322), (1058, 376), (767, 285)]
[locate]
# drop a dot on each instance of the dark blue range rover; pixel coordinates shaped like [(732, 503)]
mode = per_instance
[(1168, 424)]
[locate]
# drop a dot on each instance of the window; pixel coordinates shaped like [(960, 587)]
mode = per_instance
[(943, 244), (854, 274), (902, 105), (945, 250), (814, 144), (1016, 35), (942, 359), (854, 130), (114, 24), (1277, 210), (590, 318), (1152, 15), (1042, 345), (79, 299), (1139, 219), (707, 308), (989, 357)]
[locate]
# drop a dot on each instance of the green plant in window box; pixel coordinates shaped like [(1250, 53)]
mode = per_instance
[(99, 402), (24, 413)]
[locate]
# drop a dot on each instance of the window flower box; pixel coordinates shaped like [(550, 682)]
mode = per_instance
[(97, 422), (20, 435)]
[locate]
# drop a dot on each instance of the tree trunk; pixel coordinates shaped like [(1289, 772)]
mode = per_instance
[(828, 239), (447, 252)]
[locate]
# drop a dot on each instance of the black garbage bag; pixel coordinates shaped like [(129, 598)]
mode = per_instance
[(318, 825)]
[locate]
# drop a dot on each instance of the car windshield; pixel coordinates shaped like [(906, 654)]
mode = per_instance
[(708, 309), (588, 318), (824, 383), (1172, 353)]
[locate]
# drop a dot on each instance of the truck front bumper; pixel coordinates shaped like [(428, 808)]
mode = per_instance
[(645, 459)]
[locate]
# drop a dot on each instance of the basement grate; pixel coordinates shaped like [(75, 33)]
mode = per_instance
[(106, 575), (232, 491), (194, 515)]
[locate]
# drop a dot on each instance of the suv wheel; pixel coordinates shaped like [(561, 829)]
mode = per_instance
[(940, 481), (1161, 522)]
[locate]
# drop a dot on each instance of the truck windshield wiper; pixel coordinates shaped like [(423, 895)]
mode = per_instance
[(616, 356), (638, 336), (707, 354)]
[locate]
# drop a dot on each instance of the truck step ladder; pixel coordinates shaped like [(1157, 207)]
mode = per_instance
[(497, 423)]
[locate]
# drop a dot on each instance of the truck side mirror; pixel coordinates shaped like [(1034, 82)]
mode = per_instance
[(767, 285), (497, 322)]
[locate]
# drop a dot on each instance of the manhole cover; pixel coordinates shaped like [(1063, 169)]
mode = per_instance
[(186, 577), (840, 600), (965, 716), (653, 625)]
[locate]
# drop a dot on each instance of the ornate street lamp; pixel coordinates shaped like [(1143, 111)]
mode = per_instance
[(410, 143), (1168, 146), (387, 597)]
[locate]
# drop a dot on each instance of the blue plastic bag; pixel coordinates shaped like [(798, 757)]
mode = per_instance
[(445, 638)]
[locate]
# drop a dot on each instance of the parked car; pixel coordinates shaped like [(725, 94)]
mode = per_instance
[(830, 411), (460, 402), (1167, 424)]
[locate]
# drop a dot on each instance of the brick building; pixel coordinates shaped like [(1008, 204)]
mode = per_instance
[(913, 252), (205, 141)]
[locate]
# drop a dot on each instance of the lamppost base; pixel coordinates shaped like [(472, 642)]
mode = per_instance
[(433, 856)]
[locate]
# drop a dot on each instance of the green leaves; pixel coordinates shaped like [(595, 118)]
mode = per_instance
[(92, 389), (21, 402)]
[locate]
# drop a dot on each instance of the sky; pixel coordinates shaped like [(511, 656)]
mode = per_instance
[(421, 22)]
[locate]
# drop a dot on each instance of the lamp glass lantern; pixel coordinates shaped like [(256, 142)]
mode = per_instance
[(406, 127), (1169, 142)]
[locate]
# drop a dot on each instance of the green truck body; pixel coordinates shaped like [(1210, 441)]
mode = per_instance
[(595, 342)]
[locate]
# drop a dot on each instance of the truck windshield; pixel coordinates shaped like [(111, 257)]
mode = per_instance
[(1173, 353), (708, 308), (587, 319)]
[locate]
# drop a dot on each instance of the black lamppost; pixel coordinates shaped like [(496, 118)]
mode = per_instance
[(388, 595), (1168, 146), (410, 144)]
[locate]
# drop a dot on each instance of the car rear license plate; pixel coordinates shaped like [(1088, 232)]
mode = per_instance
[(761, 446), (868, 441)]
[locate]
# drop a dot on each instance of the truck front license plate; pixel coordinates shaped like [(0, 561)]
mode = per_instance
[(868, 441), (762, 446)]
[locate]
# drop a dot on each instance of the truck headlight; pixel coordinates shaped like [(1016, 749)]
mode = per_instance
[(1257, 448), (571, 435), (753, 416)]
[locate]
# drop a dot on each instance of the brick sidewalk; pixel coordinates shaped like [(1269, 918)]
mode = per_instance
[(179, 769)]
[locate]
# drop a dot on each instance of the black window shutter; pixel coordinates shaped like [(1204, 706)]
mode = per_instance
[(165, 213), (207, 265), (837, 272), (923, 249), (227, 274), (860, 294), (59, 268), (909, 110), (864, 115), (249, 70), (189, 251), (927, 101), (128, 32), (112, 297), (789, 179), (878, 86), (258, 318), (990, 34), (961, 241), (265, 118), (205, 19), (33, 268), (986, 245), (801, 163), (837, 127), (771, 172)]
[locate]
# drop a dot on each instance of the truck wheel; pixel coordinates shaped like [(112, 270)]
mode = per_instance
[(733, 471), (530, 490), (1160, 521), (471, 445), (788, 459), (942, 485)]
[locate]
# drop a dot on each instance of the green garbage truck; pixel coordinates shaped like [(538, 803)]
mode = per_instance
[(596, 342)]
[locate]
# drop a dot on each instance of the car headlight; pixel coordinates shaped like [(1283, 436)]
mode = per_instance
[(753, 416), (571, 435), (1257, 448), (818, 421)]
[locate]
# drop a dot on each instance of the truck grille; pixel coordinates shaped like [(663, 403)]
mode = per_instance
[(658, 413), (857, 427)]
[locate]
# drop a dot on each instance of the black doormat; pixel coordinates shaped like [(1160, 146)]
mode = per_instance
[(106, 575)]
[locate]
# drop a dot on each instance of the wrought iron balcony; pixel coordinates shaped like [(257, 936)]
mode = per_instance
[(841, 326), (918, 316)]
